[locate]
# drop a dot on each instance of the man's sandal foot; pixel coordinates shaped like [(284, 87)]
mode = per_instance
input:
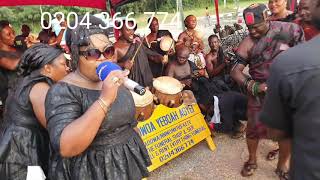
[(248, 169)]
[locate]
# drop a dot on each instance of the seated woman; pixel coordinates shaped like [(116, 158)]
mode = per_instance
[(91, 122), (24, 140)]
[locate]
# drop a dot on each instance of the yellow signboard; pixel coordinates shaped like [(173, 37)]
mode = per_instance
[(171, 131)]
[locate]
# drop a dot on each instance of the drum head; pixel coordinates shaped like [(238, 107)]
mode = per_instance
[(144, 100), (166, 43), (167, 85)]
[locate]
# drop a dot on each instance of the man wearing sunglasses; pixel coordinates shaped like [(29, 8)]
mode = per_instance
[(133, 55)]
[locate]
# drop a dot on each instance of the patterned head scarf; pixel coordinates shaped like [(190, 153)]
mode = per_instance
[(255, 14)]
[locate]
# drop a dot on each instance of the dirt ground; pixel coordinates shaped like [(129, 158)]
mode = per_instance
[(225, 163)]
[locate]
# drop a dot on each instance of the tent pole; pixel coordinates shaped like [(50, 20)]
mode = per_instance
[(216, 5), (180, 11)]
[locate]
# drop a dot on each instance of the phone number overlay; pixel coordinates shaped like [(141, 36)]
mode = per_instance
[(117, 21)]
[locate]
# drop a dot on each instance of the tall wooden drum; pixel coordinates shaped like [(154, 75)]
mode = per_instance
[(168, 91), (144, 105)]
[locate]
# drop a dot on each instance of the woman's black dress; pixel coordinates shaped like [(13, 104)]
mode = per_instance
[(117, 152), (8, 79), (23, 141)]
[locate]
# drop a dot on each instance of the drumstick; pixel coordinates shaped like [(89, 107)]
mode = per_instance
[(149, 45), (135, 54)]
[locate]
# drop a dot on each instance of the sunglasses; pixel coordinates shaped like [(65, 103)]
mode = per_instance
[(94, 54)]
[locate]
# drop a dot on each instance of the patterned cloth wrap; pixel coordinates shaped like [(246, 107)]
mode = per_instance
[(261, 57)]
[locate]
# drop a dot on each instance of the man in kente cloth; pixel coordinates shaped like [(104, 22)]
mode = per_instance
[(157, 63), (133, 55), (258, 50)]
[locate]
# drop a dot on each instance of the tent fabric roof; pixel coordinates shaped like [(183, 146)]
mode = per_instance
[(117, 3), (99, 4)]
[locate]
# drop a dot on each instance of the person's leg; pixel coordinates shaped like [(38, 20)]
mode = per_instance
[(284, 158), (251, 165), (252, 144), (252, 149), (254, 132)]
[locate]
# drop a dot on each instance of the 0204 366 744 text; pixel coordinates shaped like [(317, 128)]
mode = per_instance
[(116, 21)]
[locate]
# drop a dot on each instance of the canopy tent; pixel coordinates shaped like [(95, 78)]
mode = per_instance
[(99, 4), (117, 3)]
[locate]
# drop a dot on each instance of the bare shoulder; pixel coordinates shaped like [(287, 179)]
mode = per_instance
[(169, 69), (182, 35), (39, 89), (117, 44), (208, 57), (245, 47), (246, 42)]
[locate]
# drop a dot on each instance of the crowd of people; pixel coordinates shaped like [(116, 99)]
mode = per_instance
[(56, 114)]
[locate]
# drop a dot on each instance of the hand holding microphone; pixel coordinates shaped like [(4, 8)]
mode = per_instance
[(111, 85), (106, 69)]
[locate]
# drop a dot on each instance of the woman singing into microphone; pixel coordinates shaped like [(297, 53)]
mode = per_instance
[(90, 122)]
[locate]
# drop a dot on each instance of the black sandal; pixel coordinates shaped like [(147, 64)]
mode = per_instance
[(282, 174), (272, 155), (248, 169)]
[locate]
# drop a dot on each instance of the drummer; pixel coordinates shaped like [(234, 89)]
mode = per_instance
[(187, 73), (133, 55), (153, 42), (180, 68)]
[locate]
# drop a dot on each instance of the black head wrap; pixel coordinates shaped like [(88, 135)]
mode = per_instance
[(79, 36), (37, 56), (3, 24)]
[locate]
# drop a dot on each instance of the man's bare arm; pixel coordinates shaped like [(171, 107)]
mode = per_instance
[(243, 53)]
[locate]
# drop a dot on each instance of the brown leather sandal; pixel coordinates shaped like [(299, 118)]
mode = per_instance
[(248, 169), (283, 175)]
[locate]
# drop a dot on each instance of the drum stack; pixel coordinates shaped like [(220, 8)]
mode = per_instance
[(167, 91)]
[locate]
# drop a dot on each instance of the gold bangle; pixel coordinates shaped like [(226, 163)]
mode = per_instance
[(104, 108), (103, 102)]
